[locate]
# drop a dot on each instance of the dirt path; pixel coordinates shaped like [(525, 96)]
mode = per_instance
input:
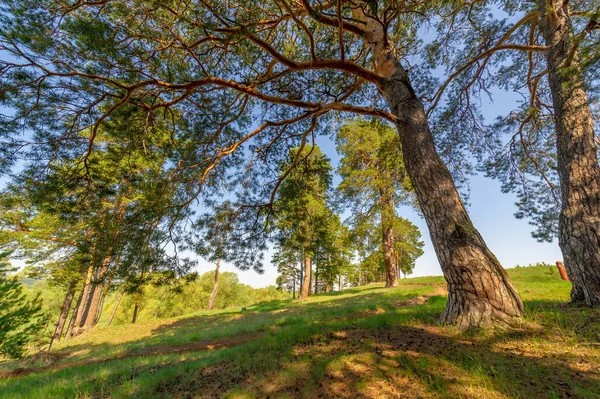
[(196, 346)]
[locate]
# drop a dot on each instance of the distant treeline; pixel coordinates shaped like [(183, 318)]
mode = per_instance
[(160, 301)]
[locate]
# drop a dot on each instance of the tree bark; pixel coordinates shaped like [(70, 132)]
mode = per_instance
[(81, 304), (480, 292), (294, 284), (114, 311), (213, 294), (388, 239), (64, 313), (579, 221), (69, 332), (135, 313), (310, 280), (92, 307), (316, 277), (305, 289)]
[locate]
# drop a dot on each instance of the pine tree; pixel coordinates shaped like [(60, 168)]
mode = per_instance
[(20, 319)]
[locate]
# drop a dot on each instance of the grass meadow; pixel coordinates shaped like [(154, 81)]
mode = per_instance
[(367, 342)]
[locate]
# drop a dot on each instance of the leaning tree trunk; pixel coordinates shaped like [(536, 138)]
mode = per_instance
[(81, 304), (213, 294), (479, 290), (388, 239), (305, 289), (114, 312), (69, 332), (579, 222), (93, 305), (64, 313), (135, 313)]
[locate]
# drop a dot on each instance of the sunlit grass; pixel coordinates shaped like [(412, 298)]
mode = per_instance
[(362, 342)]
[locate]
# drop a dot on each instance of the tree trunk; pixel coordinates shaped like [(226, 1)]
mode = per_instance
[(294, 285), (213, 294), (316, 277), (64, 313), (69, 333), (93, 306), (305, 288), (301, 277), (388, 239), (480, 292), (81, 304), (340, 282), (310, 279), (579, 222), (135, 313), (114, 312)]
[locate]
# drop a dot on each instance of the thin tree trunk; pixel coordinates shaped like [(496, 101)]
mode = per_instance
[(69, 333), (579, 222), (301, 277), (479, 290), (388, 239), (213, 294), (305, 289), (64, 313), (294, 285), (135, 313), (100, 305), (316, 277), (310, 279), (340, 282), (114, 311)]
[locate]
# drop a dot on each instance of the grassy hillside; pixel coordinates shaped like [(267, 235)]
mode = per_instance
[(366, 342)]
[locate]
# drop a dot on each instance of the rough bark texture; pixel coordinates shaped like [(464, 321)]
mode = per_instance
[(213, 294), (81, 304), (305, 289), (64, 313), (479, 290), (388, 239), (93, 306), (579, 223)]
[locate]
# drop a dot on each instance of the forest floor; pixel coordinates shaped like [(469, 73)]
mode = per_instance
[(367, 342)]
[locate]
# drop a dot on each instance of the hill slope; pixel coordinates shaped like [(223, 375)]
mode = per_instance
[(366, 342)]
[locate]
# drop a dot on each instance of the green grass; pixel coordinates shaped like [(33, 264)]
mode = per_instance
[(362, 342)]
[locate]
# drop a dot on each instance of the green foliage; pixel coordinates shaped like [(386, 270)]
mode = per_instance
[(301, 206), (408, 246), (20, 318), (163, 301), (371, 164)]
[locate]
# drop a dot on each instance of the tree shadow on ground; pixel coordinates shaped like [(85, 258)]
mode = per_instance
[(404, 362)]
